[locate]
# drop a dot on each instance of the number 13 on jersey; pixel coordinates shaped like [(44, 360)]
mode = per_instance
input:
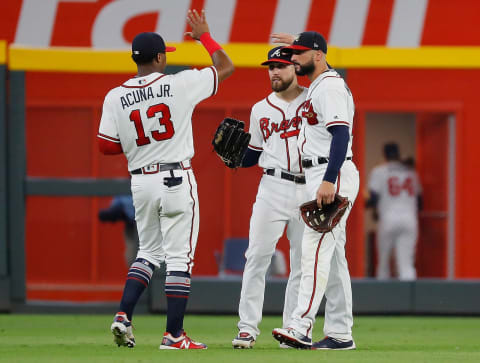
[(164, 120)]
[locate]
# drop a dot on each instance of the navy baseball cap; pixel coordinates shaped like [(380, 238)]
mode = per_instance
[(307, 41), (146, 46), (276, 55)]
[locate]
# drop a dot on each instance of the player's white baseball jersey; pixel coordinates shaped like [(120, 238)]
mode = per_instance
[(329, 103), (398, 188), (151, 117), (324, 266), (274, 126)]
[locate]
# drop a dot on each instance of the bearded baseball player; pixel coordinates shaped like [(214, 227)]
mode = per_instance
[(274, 126), (148, 118), (395, 192), (325, 144)]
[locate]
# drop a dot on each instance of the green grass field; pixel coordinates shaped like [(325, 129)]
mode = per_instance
[(80, 338)]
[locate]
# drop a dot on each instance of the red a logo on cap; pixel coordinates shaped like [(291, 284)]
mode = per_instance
[(309, 113)]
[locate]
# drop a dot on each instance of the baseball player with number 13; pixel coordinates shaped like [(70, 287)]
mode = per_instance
[(149, 118), (326, 147)]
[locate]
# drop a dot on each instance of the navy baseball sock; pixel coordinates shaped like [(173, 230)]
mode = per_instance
[(177, 289), (138, 278)]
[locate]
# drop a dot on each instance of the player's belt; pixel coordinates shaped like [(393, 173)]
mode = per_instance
[(157, 167), (298, 179), (308, 163)]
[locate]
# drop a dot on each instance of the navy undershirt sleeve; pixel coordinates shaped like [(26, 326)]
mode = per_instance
[(373, 200), (338, 151), (251, 158)]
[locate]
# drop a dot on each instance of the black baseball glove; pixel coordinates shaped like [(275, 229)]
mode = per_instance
[(326, 218), (231, 141)]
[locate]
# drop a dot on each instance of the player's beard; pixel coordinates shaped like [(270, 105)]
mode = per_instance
[(305, 69), (279, 85)]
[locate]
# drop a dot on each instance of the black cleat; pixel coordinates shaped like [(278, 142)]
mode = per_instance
[(292, 338), (329, 343)]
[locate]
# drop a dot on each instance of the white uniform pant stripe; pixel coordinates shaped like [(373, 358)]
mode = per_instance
[(193, 224), (314, 284)]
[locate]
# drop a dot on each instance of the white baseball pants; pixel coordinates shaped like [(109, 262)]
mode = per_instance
[(324, 266), (401, 235), (276, 206), (167, 219)]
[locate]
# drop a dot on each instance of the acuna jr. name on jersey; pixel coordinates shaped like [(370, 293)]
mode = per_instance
[(144, 94)]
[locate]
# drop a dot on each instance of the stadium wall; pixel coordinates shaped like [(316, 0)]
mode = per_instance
[(4, 275), (61, 207), (428, 296)]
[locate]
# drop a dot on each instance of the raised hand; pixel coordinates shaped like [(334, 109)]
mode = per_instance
[(284, 38), (198, 23)]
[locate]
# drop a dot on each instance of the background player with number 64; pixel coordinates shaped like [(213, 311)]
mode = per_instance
[(395, 193)]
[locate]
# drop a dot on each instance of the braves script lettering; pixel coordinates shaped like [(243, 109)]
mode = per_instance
[(286, 128)]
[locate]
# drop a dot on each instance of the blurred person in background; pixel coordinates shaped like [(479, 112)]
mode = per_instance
[(121, 209), (396, 198)]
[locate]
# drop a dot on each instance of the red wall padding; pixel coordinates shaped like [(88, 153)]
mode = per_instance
[(432, 130), (66, 244)]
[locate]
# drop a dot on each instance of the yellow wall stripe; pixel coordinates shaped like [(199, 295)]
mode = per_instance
[(423, 57), (3, 52), (242, 54)]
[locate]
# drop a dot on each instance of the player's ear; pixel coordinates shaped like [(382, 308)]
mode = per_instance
[(161, 58), (319, 55)]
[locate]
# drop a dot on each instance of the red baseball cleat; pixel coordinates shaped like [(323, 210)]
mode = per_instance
[(182, 342)]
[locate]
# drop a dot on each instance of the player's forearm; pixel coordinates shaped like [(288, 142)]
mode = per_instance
[(338, 152), (221, 61)]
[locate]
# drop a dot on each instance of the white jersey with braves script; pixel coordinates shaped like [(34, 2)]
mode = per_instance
[(329, 103), (397, 187), (274, 126), (151, 115)]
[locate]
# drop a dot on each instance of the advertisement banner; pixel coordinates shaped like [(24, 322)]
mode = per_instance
[(112, 24)]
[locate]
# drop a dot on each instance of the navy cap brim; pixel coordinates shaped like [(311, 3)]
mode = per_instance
[(276, 60)]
